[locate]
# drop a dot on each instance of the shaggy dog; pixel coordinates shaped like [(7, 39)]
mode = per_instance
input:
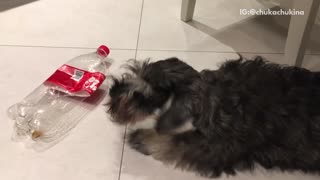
[(246, 112)]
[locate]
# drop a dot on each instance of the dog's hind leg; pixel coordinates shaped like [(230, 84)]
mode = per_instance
[(188, 151)]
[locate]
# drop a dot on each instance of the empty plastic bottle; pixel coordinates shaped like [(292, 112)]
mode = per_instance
[(48, 113)]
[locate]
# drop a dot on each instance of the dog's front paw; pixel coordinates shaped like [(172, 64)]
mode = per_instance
[(139, 139)]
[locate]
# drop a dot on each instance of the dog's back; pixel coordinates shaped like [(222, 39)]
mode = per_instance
[(274, 108)]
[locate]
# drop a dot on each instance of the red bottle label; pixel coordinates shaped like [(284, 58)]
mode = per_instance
[(75, 80)]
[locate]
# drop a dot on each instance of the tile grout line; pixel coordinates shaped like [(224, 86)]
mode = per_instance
[(135, 57), (139, 29), (122, 153), (218, 52), (222, 52), (161, 50), (59, 47)]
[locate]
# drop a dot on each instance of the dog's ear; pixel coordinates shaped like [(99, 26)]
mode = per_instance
[(169, 73), (163, 74), (139, 86), (209, 76)]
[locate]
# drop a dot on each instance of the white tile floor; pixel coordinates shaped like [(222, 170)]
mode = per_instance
[(36, 36)]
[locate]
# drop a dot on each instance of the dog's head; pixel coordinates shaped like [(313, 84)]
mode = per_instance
[(146, 88)]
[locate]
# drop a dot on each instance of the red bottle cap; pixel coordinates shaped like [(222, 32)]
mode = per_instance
[(103, 51)]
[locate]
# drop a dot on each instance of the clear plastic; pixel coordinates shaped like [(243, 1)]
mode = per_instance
[(48, 113)]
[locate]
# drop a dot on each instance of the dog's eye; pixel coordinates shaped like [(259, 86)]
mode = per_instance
[(117, 89), (138, 95), (112, 92)]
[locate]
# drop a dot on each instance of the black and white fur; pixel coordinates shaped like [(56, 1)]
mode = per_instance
[(219, 121)]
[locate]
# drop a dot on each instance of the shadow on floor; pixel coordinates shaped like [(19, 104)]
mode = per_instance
[(267, 33), (10, 4)]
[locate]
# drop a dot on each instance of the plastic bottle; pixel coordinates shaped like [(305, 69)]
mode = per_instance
[(48, 113)]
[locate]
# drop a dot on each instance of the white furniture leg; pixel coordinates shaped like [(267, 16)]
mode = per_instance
[(299, 30), (187, 9)]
